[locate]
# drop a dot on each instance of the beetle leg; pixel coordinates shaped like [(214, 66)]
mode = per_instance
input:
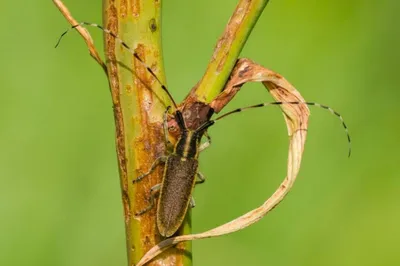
[(161, 159), (201, 178), (153, 191), (206, 144), (192, 203)]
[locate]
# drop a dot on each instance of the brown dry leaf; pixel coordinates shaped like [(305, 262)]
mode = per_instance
[(296, 117), (82, 31)]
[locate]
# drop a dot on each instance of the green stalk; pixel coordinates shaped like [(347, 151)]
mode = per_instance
[(228, 48), (139, 104)]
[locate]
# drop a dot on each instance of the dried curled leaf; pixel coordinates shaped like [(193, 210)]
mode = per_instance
[(82, 31), (296, 117)]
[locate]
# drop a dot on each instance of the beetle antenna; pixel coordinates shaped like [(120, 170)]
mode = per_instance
[(118, 39), (211, 122)]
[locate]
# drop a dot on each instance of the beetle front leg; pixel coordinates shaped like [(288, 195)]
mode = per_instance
[(161, 159), (153, 191), (192, 203), (206, 144), (201, 178)]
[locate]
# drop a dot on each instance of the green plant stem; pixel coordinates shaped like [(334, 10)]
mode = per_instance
[(139, 104), (228, 49)]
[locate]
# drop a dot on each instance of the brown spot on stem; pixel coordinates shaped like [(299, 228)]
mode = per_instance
[(136, 8), (153, 25), (124, 8), (128, 89), (127, 207), (112, 24)]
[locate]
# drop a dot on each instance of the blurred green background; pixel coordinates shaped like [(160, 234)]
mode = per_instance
[(60, 198)]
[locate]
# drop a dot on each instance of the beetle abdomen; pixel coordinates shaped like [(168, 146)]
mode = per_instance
[(175, 194)]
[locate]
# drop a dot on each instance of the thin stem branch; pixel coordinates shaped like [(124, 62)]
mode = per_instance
[(228, 48)]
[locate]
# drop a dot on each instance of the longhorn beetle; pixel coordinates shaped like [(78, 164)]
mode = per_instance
[(181, 165)]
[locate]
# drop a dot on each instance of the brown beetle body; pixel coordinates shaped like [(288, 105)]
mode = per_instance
[(179, 178), (175, 195)]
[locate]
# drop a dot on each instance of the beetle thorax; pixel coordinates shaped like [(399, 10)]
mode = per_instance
[(188, 144)]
